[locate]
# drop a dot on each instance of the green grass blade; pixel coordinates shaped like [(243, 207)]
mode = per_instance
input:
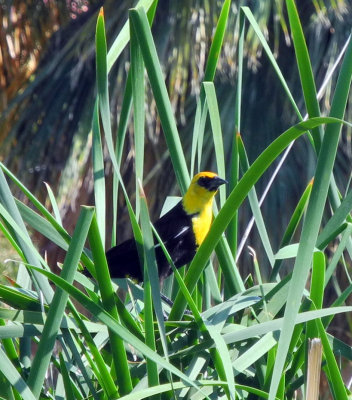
[(138, 95), (346, 237), (336, 380), (318, 279), (8, 203), (316, 290), (103, 107), (247, 12), (15, 379), (313, 218), (255, 352), (98, 173), (20, 235), (214, 115), (122, 129), (254, 203), (151, 294), (304, 68), (217, 42), (102, 81), (335, 221), (41, 225), (232, 230), (141, 26), (122, 39), (107, 294), (42, 358), (40, 207), (53, 204), (69, 393), (292, 226)]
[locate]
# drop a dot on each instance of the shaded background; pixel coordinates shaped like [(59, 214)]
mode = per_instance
[(47, 92)]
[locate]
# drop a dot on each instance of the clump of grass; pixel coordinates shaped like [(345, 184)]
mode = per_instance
[(242, 340)]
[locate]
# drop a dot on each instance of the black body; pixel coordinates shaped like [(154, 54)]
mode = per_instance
[(175, 230)]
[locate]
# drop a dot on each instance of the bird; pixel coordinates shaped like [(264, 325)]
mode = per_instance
[(182, 230)]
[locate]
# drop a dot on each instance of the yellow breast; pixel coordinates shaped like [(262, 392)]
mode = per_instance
[(201, 223)]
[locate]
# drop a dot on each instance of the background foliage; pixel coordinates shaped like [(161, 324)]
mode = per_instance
[(46, 125)]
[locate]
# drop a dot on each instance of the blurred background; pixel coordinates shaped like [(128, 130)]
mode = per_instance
[(47, 93)]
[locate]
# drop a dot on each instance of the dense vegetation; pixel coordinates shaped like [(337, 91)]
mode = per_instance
[(246, 336)]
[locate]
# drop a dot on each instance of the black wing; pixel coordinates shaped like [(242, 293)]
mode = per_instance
[(123, 261), (175, 230)]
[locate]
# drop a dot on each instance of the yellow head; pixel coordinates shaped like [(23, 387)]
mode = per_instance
[(201, 191)]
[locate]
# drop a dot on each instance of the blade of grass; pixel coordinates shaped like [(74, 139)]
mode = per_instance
[(98, 173), (313, 218), (316, 291), (248, 13), (104, 107), (40, 207), (53, 204), (209, 74), (42, 357), (291, 227), (151, 293), (214, 115), (141, 26), (346, 235), (254, 203), (107, 294), (336, 380), (122, 129), (138, 94), (66, 379), (123, 37), (41, 225), (232, 234), (214, 52), (14, 377), (7, 200), (305, 69)]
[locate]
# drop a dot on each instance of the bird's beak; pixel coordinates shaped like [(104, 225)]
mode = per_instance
[(216, 182)]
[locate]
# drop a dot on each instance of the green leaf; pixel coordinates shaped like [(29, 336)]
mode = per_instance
[(56, 312), (141, 26), (289, 251), (313, 218), (108, 299), (98, 172), (13, 376)]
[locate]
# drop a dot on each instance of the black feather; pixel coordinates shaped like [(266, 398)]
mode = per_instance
[(175, 230)]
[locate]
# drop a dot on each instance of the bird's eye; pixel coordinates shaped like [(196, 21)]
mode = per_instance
[(202, 181)]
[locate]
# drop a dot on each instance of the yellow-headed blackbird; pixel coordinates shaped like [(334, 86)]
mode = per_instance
[(182, 230)]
